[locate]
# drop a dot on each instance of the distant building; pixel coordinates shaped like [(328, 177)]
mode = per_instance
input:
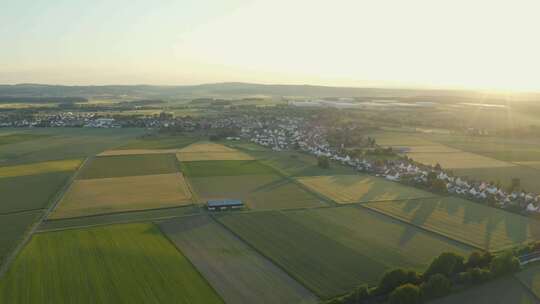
[(214, 205)]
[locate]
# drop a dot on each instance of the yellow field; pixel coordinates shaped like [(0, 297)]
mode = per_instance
[(199, 156), (104, 195), (39, 168), (206, 147), (458, 160), (138, 152), (359, 188)]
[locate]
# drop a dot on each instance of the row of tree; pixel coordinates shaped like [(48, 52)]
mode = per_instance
[(447, 273)]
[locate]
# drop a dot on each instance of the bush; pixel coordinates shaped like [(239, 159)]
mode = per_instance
[(406, 294), (395, 278), (479, 259), (323, 162), (357, 296), (479, 275), (447, 264), (504, 264), (437, 286)]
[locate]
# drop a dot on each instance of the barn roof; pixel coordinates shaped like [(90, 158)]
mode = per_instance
[(224, 203)]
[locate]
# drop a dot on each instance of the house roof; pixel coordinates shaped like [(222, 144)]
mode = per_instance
[(224, 203)]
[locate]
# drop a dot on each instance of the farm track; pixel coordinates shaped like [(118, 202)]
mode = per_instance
[(10, 258)]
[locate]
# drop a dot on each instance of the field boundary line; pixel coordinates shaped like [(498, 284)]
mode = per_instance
[(536, 297), (33, 228), (278, 265), (187, 259), (22, 211), (422, 228)]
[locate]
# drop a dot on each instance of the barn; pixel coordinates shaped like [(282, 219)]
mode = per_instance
[(227, 204)]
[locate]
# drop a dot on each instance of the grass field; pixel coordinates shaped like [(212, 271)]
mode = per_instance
[(472, 223), (132, 165), (13, 227), (298, 164), (64, 143), (152, 142), (529, 177), (257, 191), (530, 276), (325, 266), (30, 191), (206, 147), (204, 156), (106, 195), (40, 168), (115, 218), (502, 291), (19, 137), (359, 188), (116, 264), (237, 272), (225, 168), (458, 160), (383, 239)]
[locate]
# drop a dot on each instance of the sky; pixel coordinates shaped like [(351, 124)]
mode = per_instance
[(485, 44)]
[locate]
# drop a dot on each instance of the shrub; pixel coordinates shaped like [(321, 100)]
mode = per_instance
[(357, 296), (437, 286), (479, 275), (323, 162), (504, 264), (406, 294), (478, 259), (447, 263), (395, 278)]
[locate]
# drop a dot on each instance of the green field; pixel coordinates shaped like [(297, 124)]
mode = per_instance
[(19, 137), (225, 168), (298, 164), (129, 165), (131, 263), (529, 177), (124, 217), (13, 227), (158, 142), (237, 272), (257, 191), (346, 189), (502, 291), (531, 278), (30, 191), (472, 223), (64, 143), (323, 265)]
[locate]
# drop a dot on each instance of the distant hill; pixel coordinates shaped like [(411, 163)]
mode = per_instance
[(226, 90)]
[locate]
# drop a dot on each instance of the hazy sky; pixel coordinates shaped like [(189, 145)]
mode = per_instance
[(471, 43)]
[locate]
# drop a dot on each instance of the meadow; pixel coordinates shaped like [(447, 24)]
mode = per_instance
[(323, 265), (257, 191), (151, 142), (205, 156), (231, 266), (107, 195), (118, 218), (132, 165), (19, 137), (346, 189), (225, 168), (502, 291), (529, 177), (530, 277), (477, 225), (130, 263), (14, 227), (206, 147)]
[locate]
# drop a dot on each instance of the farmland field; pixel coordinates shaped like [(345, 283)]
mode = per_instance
[(30, 191), (257, 191), (158, 142), (13, 227), (132, 165), (531, 278), (203, 156), (206, 147), (124, 217), (529, 177), (131, 263), (106, 195), (40, 168), (502, 291), (64, 143), (231, 266), (225, 168), (359, 188), (325, 266), (19, 137), (383, 239), (472, 223), (457, 160)]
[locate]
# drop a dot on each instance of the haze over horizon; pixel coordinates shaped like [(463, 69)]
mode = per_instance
[(419, 43)]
